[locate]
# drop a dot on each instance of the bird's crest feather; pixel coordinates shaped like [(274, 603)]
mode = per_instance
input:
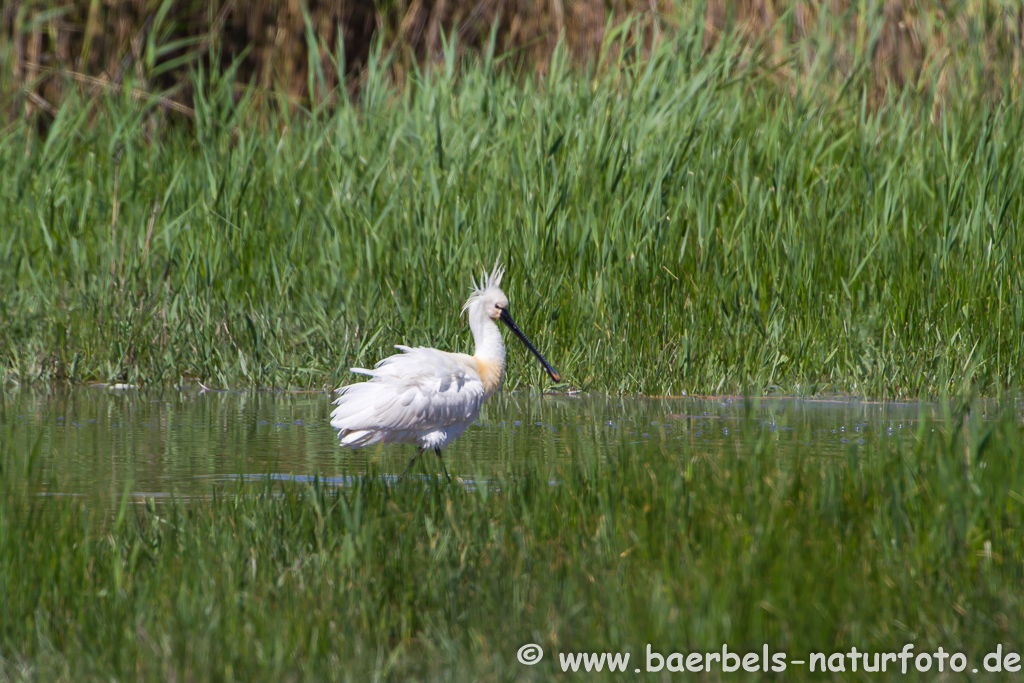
[(487, 281)]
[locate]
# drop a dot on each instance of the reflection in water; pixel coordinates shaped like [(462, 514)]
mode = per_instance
[(96, 441)]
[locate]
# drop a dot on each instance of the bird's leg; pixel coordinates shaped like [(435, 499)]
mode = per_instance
[(406, 470), (438, 451)]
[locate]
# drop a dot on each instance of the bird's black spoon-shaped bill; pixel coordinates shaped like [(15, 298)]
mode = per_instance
[(506, 318)]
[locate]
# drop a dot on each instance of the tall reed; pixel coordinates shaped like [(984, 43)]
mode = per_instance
[(672, 221), (296, 54)]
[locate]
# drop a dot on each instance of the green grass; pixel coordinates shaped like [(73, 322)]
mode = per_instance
[(911, 540), (678, 223)]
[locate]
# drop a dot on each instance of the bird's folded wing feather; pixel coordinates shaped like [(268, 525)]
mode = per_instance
[(418, 390)]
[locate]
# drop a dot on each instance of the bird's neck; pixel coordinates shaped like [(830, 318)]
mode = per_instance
[(488, 339), (490, 351)]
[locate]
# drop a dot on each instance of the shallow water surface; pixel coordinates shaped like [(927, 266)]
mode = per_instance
[(96, 441)]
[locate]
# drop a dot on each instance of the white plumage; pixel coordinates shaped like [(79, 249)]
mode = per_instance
[(423, 395), (427, 396)]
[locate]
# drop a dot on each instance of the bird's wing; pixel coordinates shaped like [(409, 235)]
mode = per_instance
[(419, 390)]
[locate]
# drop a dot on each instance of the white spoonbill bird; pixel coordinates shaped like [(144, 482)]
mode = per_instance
[(426, 396)]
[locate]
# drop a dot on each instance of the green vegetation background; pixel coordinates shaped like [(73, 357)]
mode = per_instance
[(677, 216)]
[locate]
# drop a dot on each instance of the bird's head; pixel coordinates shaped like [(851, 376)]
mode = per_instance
[(488, 300)]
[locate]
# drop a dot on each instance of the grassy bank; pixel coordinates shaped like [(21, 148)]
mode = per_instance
[(911, 540), (676, 223)]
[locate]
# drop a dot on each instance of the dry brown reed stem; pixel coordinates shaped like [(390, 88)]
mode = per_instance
[(100, 84)]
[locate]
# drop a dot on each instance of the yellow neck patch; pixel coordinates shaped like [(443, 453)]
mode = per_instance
[(490, 372)]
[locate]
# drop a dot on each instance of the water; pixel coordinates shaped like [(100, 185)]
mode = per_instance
[(94, 441)]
